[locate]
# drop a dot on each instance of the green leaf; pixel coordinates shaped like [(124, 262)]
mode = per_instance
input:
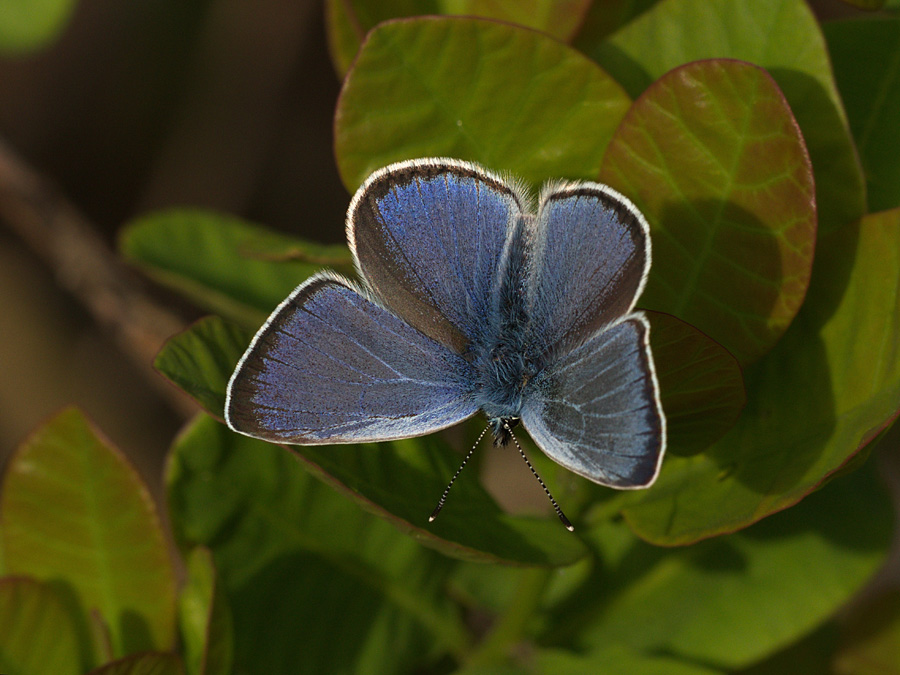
[(347, 21), (713, 158), (701, 385), (507, 97), (76, 512), (205, 619), (866, 57), (826, 390), (26, 25), (200, 360), (289, 549), (37, 633), (148, 663), (224, 264), (783, 37), (871, 642), (402, 481), (730, 601)]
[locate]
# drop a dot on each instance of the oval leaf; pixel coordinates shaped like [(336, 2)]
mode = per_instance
[(224, 264), (701, 385), (200, 360), (783, 37), (347, 21), (75, 511), (507, 97), (712, 156), (827, 389), (205, 619), (37, 633)]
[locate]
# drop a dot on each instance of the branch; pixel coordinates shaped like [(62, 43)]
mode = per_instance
[(86, 267)]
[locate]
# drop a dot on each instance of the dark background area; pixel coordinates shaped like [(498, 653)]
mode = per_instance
[(146, 104), (141, 105)]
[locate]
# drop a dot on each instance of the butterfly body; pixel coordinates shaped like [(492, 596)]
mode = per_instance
[(472, 300), (503, 361)]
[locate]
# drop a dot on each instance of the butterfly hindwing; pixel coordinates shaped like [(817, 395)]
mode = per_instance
[(331, 366), (597, 410)]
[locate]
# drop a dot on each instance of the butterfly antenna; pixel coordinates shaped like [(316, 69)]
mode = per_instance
[(562, 516), (440, 504)]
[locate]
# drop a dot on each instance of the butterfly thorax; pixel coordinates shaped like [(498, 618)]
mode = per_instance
[(502, 356)]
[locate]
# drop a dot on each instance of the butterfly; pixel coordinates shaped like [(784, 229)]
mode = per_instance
[(470, 299)]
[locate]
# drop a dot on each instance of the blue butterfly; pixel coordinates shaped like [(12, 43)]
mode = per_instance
[(471, 300)]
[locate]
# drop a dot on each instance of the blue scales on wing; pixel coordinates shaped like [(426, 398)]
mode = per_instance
[(597, 410), (594, 406), (590, 258), (332, 366), (429, 238)]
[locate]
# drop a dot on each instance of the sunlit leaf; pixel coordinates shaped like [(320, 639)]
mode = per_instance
[(829, 387), (783, 37), (37, 633), (348, 21), (866, 57), (506, 97), (224, 264), (711, 155), (76, 512)]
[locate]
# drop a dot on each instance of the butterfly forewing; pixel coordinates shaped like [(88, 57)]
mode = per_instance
[(589, 262), (331, 366), (428, 237)]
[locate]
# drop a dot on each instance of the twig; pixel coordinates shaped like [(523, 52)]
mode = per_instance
[(86, 267)]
